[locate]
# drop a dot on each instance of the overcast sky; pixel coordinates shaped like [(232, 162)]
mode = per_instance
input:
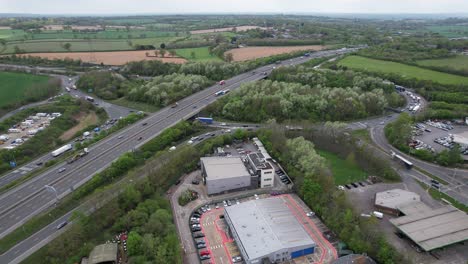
[(230, 6)]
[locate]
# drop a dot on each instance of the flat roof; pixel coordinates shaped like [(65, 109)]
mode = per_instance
[(267, 225), (395, 198), (260, 161), (434, 228), (224, 167), (261, 148), (103, 253), (461, 138)]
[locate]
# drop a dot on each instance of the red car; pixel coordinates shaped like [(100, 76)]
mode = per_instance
[(204, 253), (222, 82)]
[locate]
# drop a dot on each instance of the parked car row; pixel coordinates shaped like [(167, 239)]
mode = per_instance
[(354, 185), (418, 144), (283, 176), (444, 125), (198, 236), (445, 141)]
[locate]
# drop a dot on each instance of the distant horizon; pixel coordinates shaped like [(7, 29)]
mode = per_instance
[(190, 7), (399, 14)]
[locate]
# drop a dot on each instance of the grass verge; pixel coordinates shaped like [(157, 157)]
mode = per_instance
[(440, 195), (135, 105)]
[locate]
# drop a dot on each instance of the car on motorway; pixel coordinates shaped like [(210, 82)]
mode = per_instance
[(174, 105), (39, 163), (222, 82), (120, 137), (62, 224), (144, 124), (62, 170), (140, 138)]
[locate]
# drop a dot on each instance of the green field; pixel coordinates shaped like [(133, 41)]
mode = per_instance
[(201, 54), (13, 86), (459, 62), (450, 31), (343, 171), (362, 63)]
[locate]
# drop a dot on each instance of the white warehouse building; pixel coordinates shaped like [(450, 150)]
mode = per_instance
[(222, 174), (266, 229)]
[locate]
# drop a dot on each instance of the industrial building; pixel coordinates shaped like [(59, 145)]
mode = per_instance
[(262, 168), (432, 228), (266, 229), (389, 201), (223, 174)]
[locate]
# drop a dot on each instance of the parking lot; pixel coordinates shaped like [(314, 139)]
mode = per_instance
[(437, 135), (26, 129)]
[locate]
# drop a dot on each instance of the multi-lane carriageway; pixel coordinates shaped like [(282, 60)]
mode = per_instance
[(21, 203)]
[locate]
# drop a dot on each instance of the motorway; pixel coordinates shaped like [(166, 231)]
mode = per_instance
[(113, 111), (23, 202), (41, 238)]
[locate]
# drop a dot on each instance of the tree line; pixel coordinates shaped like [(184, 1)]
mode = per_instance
[(164, 90), (264, 100)]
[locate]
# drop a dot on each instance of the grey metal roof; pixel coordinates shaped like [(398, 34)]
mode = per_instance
[(395, 198), (103, 253), (267, 225), (434, 228), (224, 167)]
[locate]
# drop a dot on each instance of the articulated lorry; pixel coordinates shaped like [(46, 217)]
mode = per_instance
[(61, 150), (78, 156)]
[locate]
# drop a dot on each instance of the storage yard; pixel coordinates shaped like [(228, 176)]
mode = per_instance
[(20, 133)]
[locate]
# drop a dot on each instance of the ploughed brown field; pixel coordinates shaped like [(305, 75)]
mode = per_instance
[(108, 57), (249, 53), (212, 30)]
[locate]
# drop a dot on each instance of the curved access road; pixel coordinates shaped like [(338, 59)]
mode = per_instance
[(23, 202)]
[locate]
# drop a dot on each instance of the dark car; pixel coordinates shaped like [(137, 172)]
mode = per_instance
[(177, 182), (62, 224), (198, 235), (195, 182), (196, 229), (140, 138), (39, 163), (144, 124)]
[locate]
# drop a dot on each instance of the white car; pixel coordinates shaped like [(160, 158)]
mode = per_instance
[(341, 187), (256, 196), (225, 204), (310, 214)]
